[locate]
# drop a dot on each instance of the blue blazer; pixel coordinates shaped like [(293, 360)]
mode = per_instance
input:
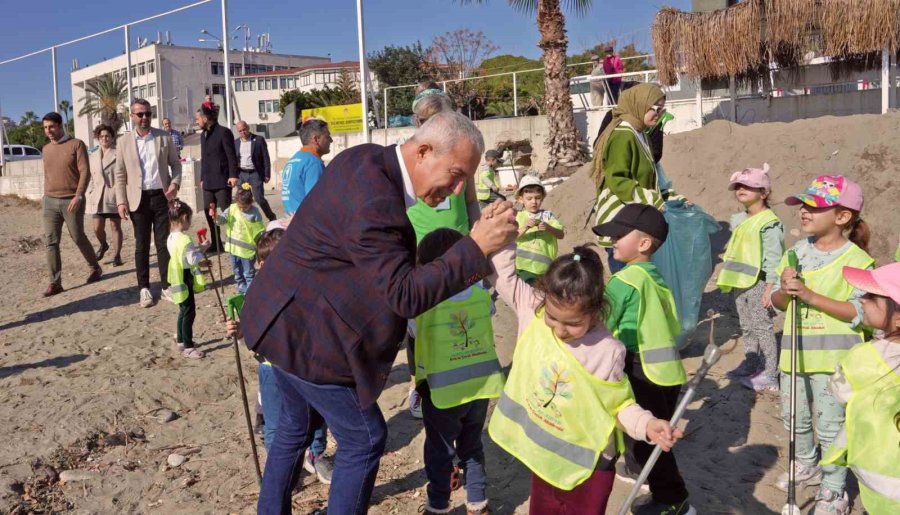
[(259, 154)]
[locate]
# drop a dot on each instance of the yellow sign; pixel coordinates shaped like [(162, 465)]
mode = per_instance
[(340, 119)]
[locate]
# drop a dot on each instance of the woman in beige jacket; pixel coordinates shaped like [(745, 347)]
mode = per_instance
[(101, 193)]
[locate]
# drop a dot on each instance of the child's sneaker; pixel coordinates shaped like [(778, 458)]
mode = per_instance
[(829, 502), (761, 383), (745, 369), (415, 403), (318, 465), (477, 508), (804, 475), (658, 508)]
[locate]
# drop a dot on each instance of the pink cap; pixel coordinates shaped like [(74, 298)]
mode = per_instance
[(752, 177), (830, 191), (884, 280)]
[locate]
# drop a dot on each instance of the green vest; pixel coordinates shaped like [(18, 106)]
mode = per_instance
[(823, 339), (657, 328), (743, 256), (426, 219), (487, 178), (241, 234), (178, 290), (455, 351), (872, 445), (554, 416), (535, 249)]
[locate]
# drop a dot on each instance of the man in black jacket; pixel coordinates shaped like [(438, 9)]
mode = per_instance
[(253, 158), (218, 166)]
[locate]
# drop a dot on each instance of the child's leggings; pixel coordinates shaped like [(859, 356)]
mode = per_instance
[(187, 311), (588, 498), (760, 348), (813, 393)]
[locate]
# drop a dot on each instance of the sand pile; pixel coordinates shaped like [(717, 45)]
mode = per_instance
[(700, 162)]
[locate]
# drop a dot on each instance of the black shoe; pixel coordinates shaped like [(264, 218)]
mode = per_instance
[(117, 261), (96, 273), (53, 289), (102, 250), (260, 425)]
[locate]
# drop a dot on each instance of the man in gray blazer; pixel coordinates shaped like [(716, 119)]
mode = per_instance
[(148, 175)]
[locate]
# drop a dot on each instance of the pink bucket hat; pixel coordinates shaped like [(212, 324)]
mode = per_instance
[(884, 280), (830, 191), (752, 177)]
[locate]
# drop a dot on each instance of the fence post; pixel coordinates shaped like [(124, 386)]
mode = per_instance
[(699, 100), (515, 97), (732, 92), (885, 80), (385, 117)]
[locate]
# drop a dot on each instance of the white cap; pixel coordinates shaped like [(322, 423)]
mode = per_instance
[(529, 180)]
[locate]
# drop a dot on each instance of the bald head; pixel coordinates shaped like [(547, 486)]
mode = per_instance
[(243, 129)]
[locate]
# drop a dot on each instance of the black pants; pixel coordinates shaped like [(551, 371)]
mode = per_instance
[(259, 193), (187, 312), (222, 199), (151, 215), (666, 484)]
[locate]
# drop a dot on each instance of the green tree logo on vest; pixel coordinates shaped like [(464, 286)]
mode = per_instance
[(554, 384), (460, 326)]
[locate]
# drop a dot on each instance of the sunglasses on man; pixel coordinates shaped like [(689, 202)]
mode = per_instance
[(143, 114)]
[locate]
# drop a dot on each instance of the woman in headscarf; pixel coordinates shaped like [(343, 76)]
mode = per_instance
[(624, 167)]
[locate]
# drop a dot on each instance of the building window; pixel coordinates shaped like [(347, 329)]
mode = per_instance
[(134, 92), (151, 66), (252, 84), (142, 69), (262, 106), (217, 68), (238, 85), (151, 90), (133, 70), (283, 82), (218, 89), (142, 92), (292, 83)]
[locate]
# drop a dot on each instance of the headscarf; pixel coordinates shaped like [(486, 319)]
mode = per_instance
[(426, 93), (633, 105)]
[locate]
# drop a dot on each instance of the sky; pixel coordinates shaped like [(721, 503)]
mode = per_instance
[(323, 27)]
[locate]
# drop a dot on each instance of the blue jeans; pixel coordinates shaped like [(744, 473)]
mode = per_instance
[(271, 408), (361, 434), (614, 264), (244, 272), (453, 432)]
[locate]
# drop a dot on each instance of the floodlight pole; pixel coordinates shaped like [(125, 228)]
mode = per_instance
[(515, 97), (55, 81), (128, 67), (885, 80), (225, 40), (363, 71)]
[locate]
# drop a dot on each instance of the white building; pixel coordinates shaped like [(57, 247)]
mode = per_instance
[(175, 79), (258, 95)]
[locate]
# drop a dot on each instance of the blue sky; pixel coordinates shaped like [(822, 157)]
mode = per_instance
[(297, 26)]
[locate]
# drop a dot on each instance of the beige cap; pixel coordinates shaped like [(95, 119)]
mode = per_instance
[(529, 180)]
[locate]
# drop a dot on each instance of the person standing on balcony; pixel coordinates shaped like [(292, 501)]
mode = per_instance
[(612, 65)]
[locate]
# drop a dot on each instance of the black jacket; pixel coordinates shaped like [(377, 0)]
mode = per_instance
[(218, 161), (259, 154)]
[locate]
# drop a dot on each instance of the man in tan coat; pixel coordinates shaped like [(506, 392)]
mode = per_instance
[(148, 175)]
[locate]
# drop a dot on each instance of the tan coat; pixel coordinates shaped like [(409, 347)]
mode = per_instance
[(100, 196), (128, 166)]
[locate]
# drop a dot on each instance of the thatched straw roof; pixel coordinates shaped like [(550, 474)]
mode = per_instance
[(742, 40)]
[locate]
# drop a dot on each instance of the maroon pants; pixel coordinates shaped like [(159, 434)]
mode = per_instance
[(588, 498)]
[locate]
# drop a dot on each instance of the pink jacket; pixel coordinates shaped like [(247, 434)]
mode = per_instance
[(613, 65), (598, 351)]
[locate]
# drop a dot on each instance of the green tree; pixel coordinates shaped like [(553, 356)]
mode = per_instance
[(564, 144), (529, 86), (30, 132), (315, 98), (105, 97), (401, 66), (65, 106), (346, 85)]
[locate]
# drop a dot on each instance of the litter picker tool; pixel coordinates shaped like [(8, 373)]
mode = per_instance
[(710, 357), (240, 371), (218, 236), (791, 507)]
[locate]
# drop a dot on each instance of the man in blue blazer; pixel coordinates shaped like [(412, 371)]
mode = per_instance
[(331, 304)]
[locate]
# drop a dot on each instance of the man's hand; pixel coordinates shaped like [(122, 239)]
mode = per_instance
[(73, 204), (266, 180), (659, 432), (171, 191), (232, 181), (123, 211), (212, 210), (496, 228)]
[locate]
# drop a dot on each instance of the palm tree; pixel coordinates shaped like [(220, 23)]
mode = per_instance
[(32, 128), (65, 106), (105, 97), (563, 140)]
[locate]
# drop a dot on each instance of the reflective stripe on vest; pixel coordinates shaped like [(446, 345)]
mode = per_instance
[(869, 443), (486, 179), (657, 327), (535, 249), (743, 255), (823, 340), (554, 416), (455, 351), (241, 234), (178, 290)]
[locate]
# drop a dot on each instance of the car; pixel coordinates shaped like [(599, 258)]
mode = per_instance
[(20, 153)]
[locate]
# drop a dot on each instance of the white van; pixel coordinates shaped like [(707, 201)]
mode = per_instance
[(20, 153)]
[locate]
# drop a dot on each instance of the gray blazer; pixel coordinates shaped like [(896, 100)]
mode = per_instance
[(128, 166)]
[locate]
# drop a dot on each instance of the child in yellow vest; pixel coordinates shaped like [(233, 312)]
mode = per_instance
[(748, 272), (184, 275), (456, 373), (830, 317), (869, 377), (642, 314), (487, 187), (243, 226), (539, 230), (567, 399)]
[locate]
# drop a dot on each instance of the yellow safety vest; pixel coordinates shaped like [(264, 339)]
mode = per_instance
[(535, 249), (657, 327), (455, 351), (487, 179), (743, 256), (178, 290), (554, 416), (823, 340), (241, 234), (872, 444)]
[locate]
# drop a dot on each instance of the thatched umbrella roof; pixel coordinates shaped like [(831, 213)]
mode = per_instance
[(742, 40)]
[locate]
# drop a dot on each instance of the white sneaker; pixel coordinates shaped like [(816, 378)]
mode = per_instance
[(415, 403), (804, 475), (146, 298), (165, 295), (829, 502)]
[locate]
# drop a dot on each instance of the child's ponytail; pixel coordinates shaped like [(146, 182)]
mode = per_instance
[(576, 278), (860, 233)]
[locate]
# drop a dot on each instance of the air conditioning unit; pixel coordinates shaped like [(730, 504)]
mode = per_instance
[(263, 116)]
